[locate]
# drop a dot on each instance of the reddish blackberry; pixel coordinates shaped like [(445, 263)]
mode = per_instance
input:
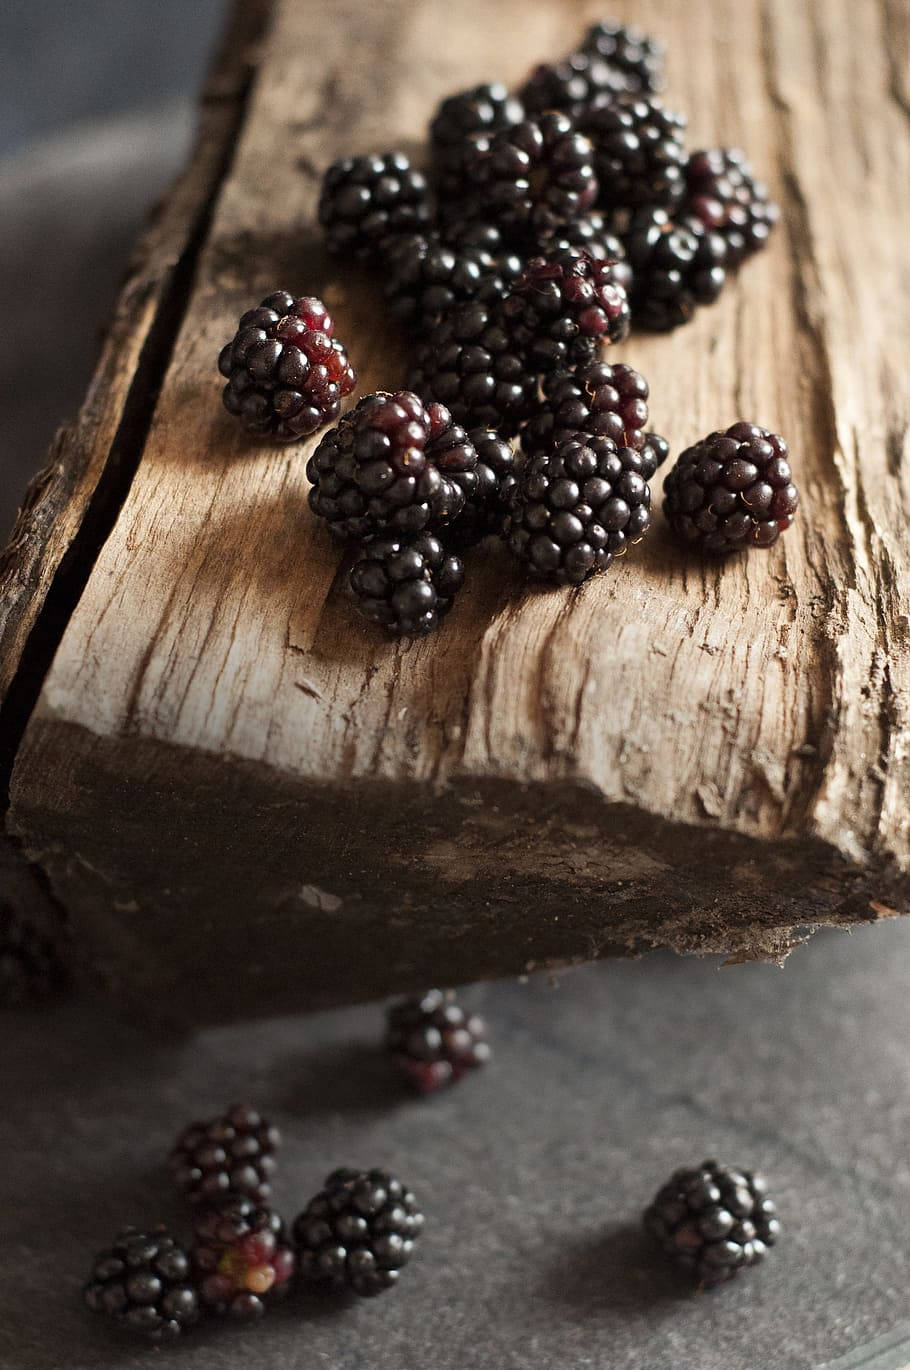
[(724, 194), (243, 1260), (609, 401), (713, 1221), (469, 363), (677, 264), (358, 1232), (30, 965), (639, 154), (731, 491), (366, 199), (484, 512), (653, 454), (231, 1155), (392, 466), (433, 1041), (143, 1283), (406, 584), (286, 373), (426, 278), (575, 85), (481, 109), (563, 308), (576, 508), (639, 57)]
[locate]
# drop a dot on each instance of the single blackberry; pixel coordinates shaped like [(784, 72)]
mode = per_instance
[(406, 584), (475, 235), (576, 508), (563, 308), (286, 374), (609, 401), (639, 153), (358, 1232), (484, 512), (143, 1283), (575, 85), (677, 264), (242, 1258), (724, 194), (653, 454), (230, 1155), (30, 964), (392, 466), (481, 109), (469, 363), (426, 278), (639, 57), (433, 1041), (366, 199), (713, 1221), (593, 233), (731, 491)]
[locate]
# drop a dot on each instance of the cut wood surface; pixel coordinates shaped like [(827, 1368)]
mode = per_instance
[(246, 798)]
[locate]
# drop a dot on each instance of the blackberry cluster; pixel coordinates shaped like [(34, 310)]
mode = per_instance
[(563, 308), (575, 85), (358, 1232), (592, 233), (496, 475), (677, 264), (639, 153), (596, 398), (713, 1221), (724, 194), (143, 1283), (242, 1258), (230, 1155), (433, 1041), (426, 278), (366, 199), (30, 965), (731, 491), (481, 109), (638, 56), (406, 584)]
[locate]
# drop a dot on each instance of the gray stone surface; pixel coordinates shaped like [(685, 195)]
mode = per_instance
[(532, 1173)]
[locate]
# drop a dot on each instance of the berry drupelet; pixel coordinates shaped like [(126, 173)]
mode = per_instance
[(639, 153), (426, 278), (731, 491), (366, 199), (143, 1284), (231, 1155), (653, 454), (286, 374), (596, 398), (242, 1259), (575, 85), (639, 57), (713, 1221), (724, 194), (676, 264), (30, 964), (433, 1041), (481, 109), (576, 508), (563, 308), (406, 584), (392, 466), (484, 512), (358, 1232)]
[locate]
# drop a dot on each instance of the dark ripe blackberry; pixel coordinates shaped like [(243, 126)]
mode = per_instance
[(639, 153), (653, 454), (425, 279), (286, 374), (474, 235), (677, 264), (731, 491), (469, 363), (609, 401), (713, 1221), (639, 57), (592, 232), (484, 512), (406, 584), (30, 964), (143, 1284), (230, 1155), (393, 466), (358, 1232), (724, 194), (575, 85), (242, 1259), (575, 508), (563, 308), (481, 109), (433, 1041), (366, 199)]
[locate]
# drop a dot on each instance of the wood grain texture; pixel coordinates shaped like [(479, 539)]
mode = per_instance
[(677, 753)]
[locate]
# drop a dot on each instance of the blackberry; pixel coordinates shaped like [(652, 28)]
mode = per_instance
[(392, 466), (243, 1260), (30, 964), (476, 235), (433, 1041), (576, 508), (143, 1283), (677, 264), (483, 514), (366, 199), (426, 278), (609, 401), (639, 153), (286, 374), (639, 57), (358, 1232), (406, 584), (653, 454), (563, 307), (575, 85), (724, 194), (469, 363), (713, 1221), (481, 109), (593, 233), (231, 1155), (731, 491)]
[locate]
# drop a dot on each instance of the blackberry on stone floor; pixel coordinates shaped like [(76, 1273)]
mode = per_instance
[(481, 109), (724, 194), (143, 1283), (731, 491), (639, 153), (595, 398), (639, 57), (286, 374), (393, 466), (230, 1155), (366, 199), (575, 85), (406, 584), (575, 508), (713, 1221), (653, 454), (358, 1232), (425, 278), (564, 307), (30, 964), (484, 512), (433, 1041), (676, 264), (242, 1259)]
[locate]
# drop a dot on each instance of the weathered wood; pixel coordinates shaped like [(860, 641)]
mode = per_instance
[(248, 800)]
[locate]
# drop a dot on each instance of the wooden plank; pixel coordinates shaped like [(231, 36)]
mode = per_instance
[(677, 754)]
